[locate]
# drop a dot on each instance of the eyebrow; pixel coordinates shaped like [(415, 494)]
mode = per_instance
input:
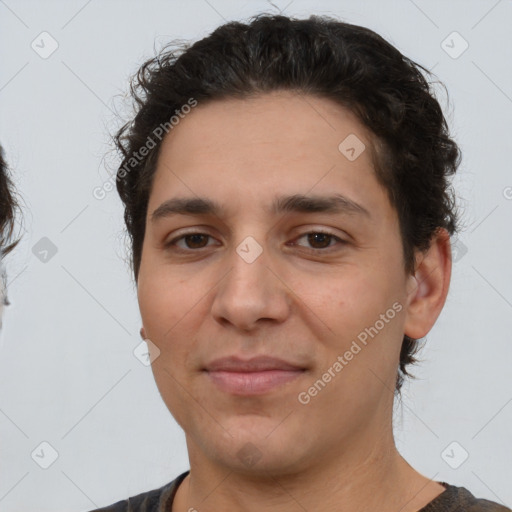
[(336, 203)]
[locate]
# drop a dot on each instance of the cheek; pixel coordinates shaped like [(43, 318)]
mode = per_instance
[(349, 301), (164, 304), (163, 299), (363, 310), (171, 308)]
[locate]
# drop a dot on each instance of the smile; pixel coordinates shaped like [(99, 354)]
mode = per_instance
[(252, 383)]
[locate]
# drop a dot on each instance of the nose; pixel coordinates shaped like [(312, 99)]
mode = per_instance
[(252, 291)]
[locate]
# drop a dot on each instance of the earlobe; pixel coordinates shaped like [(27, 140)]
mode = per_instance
[(428, 288), (143, 333)]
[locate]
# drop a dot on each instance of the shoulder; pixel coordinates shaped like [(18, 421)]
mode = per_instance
[(460, 499), (156, 500)]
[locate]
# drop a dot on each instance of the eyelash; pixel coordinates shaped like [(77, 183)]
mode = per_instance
[(172, 243)]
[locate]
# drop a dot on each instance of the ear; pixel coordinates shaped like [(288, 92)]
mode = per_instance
[(428, 287), (143, 333)]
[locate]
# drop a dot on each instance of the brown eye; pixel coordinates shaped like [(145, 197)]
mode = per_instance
[(320, 240), (195, 241), (192, 241)]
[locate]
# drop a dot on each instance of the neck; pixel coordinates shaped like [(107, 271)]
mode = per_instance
[(358, 476)]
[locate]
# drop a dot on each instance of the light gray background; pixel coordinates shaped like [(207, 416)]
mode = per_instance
[(68, 375)]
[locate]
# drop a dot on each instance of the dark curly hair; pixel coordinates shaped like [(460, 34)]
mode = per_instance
[(8, 207), (412, 151)]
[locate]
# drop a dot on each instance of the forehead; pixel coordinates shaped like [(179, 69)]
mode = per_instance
[(263, 122), (268, 145)]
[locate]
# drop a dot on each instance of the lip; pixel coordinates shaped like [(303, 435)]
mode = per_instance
[(255, 376), (252, 383), (255, 364)]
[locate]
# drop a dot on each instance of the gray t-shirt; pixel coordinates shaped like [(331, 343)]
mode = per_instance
[(454, 499)]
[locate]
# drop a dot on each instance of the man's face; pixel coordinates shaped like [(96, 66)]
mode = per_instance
[(305, 298)]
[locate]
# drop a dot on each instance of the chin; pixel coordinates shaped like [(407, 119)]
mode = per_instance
[(258, 448)]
